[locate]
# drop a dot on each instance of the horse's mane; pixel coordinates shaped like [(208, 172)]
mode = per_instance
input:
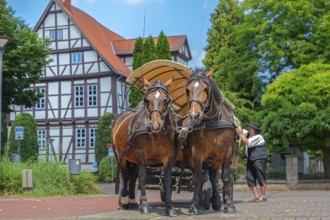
[(214, 87)]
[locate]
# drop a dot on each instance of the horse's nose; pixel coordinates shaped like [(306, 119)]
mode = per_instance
[(155, 126), (194, 116)]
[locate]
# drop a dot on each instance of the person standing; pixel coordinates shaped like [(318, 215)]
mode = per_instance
[(256, 153)]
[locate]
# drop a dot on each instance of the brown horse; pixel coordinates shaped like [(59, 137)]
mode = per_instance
[(146, 137), (211, 140)]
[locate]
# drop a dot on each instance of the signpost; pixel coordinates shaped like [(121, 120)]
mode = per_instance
[(19, 135), (111, 154)]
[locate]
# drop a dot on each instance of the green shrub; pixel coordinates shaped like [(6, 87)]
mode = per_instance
[(29, 144), (49, 179), (11, 177), (103, 136), (104, 172), (85, 183)]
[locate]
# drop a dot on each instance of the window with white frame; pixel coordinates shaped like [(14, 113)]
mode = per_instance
[(79, 96), (92, 95), (76, 57), (60, 34), (52, 34), (42, 139), (80, 137), (41, 102), (92, 137)]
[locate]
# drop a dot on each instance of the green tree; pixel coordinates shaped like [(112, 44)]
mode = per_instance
[(143, 53), (297, 109), (230, 55), (135, 96), (288, 34), (29, 149), (103, 136), (163, 47), (149, 50), (23, 60)]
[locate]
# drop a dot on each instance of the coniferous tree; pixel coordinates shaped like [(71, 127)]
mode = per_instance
[(163, 47), (149, 50), (135, 96), (103, 136), (29, 149)]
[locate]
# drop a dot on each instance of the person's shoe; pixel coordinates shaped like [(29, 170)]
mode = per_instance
[(263, 199), (254, 200)]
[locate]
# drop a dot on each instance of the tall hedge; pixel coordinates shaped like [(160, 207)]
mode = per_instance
[(103, 136), (29, 144)]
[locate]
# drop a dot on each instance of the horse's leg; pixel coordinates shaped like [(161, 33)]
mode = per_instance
[(123, 198), (227, 179), (144, 207), (167, 181), (134, 173), (215, 199), (196, 207)]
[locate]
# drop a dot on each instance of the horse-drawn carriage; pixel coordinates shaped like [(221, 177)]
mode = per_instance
[(181, 111)]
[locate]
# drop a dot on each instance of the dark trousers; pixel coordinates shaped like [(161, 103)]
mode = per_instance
[(255, 170)]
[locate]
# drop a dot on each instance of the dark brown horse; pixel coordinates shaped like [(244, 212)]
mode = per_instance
[(211, 140), (146, 137)]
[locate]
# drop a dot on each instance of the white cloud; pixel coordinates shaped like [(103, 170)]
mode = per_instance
[(205, 3), (200, 59), (197, 58), (136, 2)]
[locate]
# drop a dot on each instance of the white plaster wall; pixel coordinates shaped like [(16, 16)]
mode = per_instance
[(79, 112), (74, 32), (62, 45), (105, 84), (104, 67), (62, 19), (50, 20), (92, 112), (53, 88), (90, 56), (85, 43), (64, 58), (65, 87), (40, 114)]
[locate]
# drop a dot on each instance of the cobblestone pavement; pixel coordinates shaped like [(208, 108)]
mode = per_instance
[(280, 205)]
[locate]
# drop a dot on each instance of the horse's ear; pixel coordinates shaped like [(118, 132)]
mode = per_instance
[(169, 82), (209, 74), (146, 82)]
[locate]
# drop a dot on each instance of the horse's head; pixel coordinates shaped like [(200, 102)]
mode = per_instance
[(157, 102), (198, 91)]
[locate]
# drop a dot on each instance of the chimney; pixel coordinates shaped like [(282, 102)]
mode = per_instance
[(67, 4)]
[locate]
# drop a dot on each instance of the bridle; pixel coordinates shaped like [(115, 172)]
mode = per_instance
[(157, 85), (205, 80)]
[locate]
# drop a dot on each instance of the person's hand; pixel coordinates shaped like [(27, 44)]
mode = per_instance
[(239, 131)]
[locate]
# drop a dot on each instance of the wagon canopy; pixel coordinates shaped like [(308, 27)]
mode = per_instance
[(164, 70)]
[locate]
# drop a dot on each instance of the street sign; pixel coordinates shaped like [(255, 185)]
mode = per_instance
[(19, 132), (110, 151)]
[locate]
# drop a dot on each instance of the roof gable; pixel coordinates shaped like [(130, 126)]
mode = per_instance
[(125, 47), (99, 37)]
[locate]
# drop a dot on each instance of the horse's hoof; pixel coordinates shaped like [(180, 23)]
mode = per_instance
[(216, 203), (125, 206), (171, 212), (144, 210), (196, 211), (133, 206), (230, 209), (124, 202)]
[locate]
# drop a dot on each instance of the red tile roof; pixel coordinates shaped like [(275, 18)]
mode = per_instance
[(99, 37), (106, 42), (124, 47)]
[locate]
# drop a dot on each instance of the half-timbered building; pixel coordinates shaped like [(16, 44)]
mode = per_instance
[(85, 79)]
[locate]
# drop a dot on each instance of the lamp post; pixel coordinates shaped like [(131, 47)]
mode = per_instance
[(3, 42)]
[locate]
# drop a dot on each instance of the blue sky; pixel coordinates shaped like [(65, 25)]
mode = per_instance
[(126, 18)]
